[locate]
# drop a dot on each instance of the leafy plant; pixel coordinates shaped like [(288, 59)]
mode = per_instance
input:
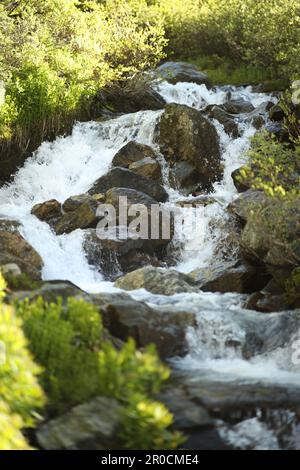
[(67, 340), (20, 395)]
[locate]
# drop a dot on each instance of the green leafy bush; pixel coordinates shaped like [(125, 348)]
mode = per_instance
[(145, 425), (67, 340), (20, 395), (274, 167)]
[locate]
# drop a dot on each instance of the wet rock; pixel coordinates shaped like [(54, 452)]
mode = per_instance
[(238, 106), (175, 72), (157, 281), (266, 303), (73, 202), (85, 216), (184, 175), (224, 118), (9, 225), (125, 100), (91, 426), (124, 178), (202, 200), (230, 277), (276, 113), (132, 152), (237, 398), (15, 249), (185, 135), (163, 327), (147, 167), (49, 211), (248, 203)]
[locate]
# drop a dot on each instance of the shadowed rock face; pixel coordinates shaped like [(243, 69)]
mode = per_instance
[(185, 135), (124, 178)]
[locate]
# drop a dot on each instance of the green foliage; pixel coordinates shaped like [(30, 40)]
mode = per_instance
[(20, 394), (67, 340), (264, 34), (21, 282), (145, 425), (56, 55), (292, 284), (274, 167)]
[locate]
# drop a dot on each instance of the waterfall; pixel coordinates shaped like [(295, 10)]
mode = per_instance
[(69, 166)]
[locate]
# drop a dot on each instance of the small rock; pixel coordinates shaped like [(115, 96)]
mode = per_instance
[(147, 167), (131, 153), (49, 211), (157, 281), (73, 202), (238, 106), (11, 269), (224, 118)]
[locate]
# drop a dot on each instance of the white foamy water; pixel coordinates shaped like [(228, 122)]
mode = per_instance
[(70, 165)]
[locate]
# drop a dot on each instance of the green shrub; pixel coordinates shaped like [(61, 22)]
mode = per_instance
[(67, 340), (20, 395), (145, 425), (273, 167)]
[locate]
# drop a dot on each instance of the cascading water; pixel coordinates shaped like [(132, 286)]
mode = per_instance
[(70, 165)]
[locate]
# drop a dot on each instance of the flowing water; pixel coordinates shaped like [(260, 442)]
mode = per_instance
[(71, 164)]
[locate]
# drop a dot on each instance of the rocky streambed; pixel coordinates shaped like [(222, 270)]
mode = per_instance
[(209, 298)]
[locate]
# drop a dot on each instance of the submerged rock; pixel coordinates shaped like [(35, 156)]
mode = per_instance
[(185, 135), (157, 281), (15, 249), (174, 72), (90, 426), (124, 178), (132, 152)]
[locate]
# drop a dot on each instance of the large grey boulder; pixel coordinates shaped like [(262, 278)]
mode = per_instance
[(185, 135), (174, 72)]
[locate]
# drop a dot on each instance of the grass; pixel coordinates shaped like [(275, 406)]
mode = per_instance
[(221, 71)]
